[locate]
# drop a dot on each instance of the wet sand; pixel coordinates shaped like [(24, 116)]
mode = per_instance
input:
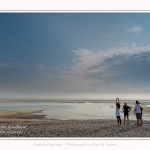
[(12, 114), (29, 124), (24, 115)]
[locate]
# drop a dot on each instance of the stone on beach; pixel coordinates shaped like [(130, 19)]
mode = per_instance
[(74, 128)]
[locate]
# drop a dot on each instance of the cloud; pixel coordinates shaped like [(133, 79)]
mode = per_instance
[(122, 43), (135, 29), (92, 67), (41, 66), (133, 44), (86, 59), (7, 64), (24, 65), (111, 35), (49, 76)]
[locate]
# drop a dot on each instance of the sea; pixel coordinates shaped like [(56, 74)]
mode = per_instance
[(66, 110)]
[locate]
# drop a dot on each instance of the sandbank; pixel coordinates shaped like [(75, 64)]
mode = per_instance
[(23, 115)]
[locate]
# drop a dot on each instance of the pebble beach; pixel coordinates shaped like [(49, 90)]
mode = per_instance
[(74, 128)]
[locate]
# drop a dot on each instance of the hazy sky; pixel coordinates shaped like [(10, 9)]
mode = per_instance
[(75, 55)]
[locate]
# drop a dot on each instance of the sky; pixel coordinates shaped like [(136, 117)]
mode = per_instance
[(75, 55)]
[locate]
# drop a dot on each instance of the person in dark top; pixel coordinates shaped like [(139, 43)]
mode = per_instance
[(126, 109)]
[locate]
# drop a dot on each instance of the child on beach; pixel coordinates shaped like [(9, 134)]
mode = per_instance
[(118, 111)]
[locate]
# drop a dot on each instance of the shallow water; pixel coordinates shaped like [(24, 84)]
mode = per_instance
[(65, 111)]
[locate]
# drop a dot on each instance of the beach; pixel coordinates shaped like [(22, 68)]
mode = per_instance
[(99, 128), (35, 123)]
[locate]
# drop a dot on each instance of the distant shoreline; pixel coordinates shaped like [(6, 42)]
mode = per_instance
[(65, 101)]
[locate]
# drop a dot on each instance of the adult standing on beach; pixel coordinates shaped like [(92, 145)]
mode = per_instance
[(137, 110), (141, 112), (126, 109), (118, 111)]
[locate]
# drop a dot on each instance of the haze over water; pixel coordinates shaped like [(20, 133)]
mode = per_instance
[(65, 110)]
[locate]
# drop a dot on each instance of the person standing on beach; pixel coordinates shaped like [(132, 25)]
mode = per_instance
[(126, 109), (137, 110), (141, 112), (118, 111)]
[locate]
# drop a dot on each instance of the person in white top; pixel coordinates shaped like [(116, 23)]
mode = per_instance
[(137, 110), (141, 113), (118, 111)]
